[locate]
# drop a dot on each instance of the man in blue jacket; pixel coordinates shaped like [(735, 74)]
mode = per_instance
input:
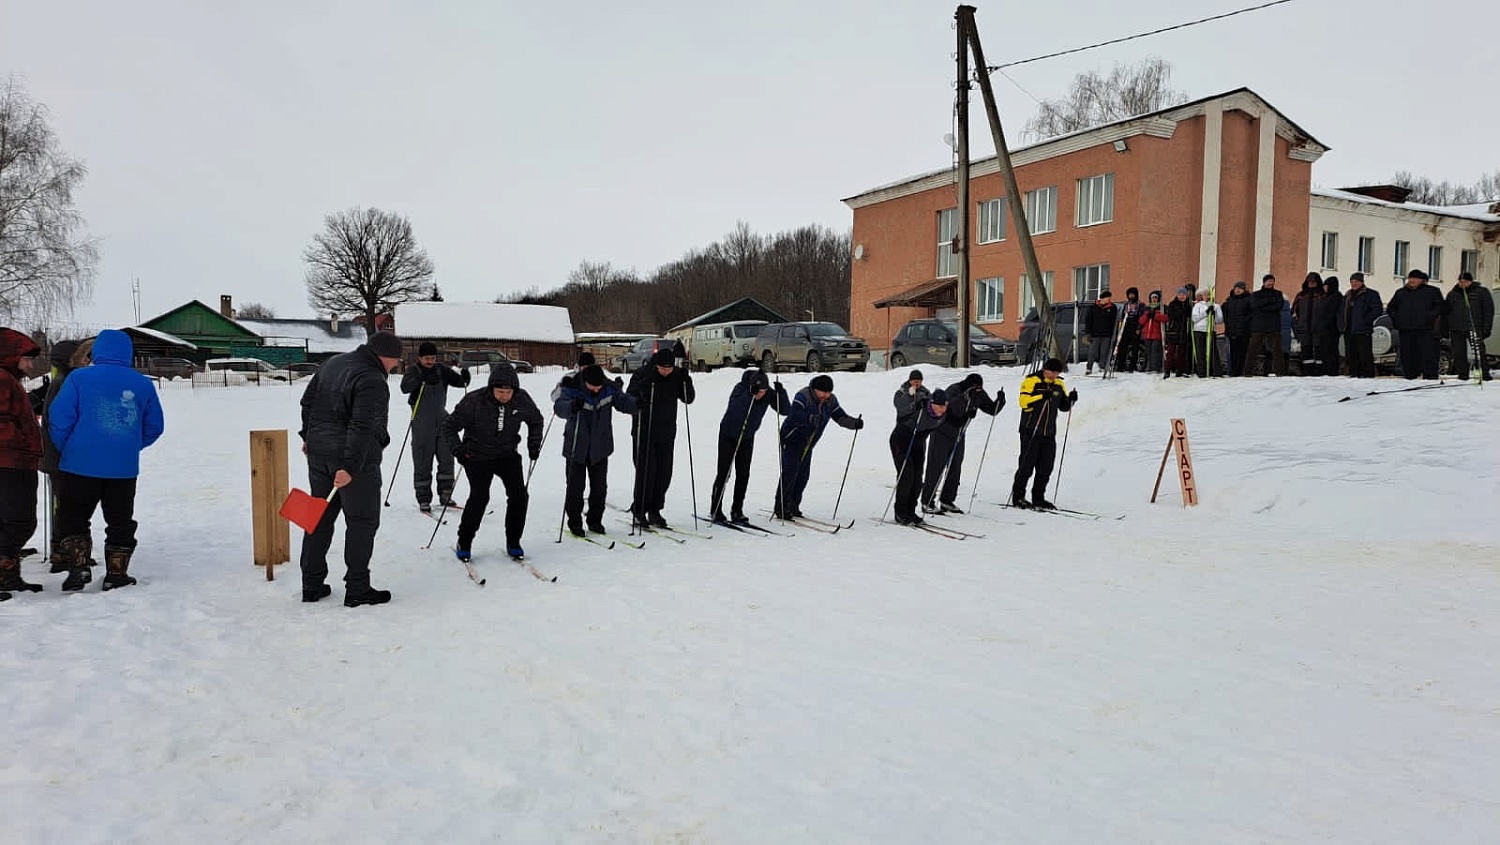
[(809, 413), (748, 402), (1358, 312), (100, 420), (588, 441)]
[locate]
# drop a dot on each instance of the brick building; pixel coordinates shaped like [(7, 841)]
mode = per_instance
[(1213, 192)]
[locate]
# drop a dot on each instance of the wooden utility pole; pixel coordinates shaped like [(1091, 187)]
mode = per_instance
[(1014, 199), (961, 242)]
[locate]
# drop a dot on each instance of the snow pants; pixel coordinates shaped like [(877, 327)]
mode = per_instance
[(736, 453), (653, 475), (481, 473), (941, 443), (1038, 453), (597, 477), (17, 509), (358, 501), (79, 495)]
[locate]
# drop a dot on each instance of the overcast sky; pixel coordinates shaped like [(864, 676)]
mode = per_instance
[(522, 138)]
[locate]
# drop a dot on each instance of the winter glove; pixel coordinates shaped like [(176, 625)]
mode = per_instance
[(999, 400), (911, 389), (466, 375), (859, 423), (1056, 389), (577, 404), (1073, 396), (464, 456), (535, 453)]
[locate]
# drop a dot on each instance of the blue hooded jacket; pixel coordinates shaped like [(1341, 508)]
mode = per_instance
[(743, 415), (105, 414)]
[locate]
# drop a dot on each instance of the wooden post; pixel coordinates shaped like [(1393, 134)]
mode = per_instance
[(1185, 478), (1162, 470), (268, 489), (961, 242)]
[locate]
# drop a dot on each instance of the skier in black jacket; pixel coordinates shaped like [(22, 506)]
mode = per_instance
[(345, 410), (490, 419), (746, 410), (1131, 354), (920, 418), (910, 396), (1177, 334), (1470, 315), (588, 441), (657, 387), (945, 446), (1415, 310), (426, 388)]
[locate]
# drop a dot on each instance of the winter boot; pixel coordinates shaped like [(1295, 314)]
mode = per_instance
[(931, 508), (575, 526), (10, 577), (719, 517), (461, 549), (1018, 500), (656, 520), (515, 550), (60, 562), (366, 595), (4, 596), (425, 508), (949, 507), (117, 566), (313, 592), (596, 526), (75, 551), (738, 517), (1040, 503)]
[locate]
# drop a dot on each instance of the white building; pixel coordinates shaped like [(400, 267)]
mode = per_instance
[(1374, 231)]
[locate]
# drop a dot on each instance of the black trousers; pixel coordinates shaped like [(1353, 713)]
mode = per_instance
[(942, 443), (79, 495), (909, 477), (653, 475), (1130, 353), (1418, 353), (735, 452), (1262, 343), (425, 448), (1360, 351), (17, 509), (1460, 347), (1328, 350), (597, 476), (1205, 354), (1239, 354), (1038, 452), (796, 469), (359, 502), (481, 472)]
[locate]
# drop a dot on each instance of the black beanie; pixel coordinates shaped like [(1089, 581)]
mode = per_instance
[(823, 383), (973, 380), (586, 359), (593, 374), (916, 375), (940, 397), (503, 375), (664, 358), (1053, 365), (385, 344), (427, 348)]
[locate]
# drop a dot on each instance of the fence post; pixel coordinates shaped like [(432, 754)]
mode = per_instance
[(268, 489)]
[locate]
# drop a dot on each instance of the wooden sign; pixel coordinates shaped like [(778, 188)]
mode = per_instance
[(1185, 478), (268, 488)]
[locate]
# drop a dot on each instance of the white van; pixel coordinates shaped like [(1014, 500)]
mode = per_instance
[(723, 344)]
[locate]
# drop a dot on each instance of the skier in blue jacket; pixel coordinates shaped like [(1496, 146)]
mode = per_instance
[(748, 402), (809, 413), (100, 420), (588, 441)]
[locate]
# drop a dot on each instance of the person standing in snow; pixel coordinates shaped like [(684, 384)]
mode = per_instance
[(1360, 308), (1152, 320), (484, 434), (345, 414), (1128, 357), (1326, 326), (915, 421), (20, 459), (588, 441), (67, 356), (1415, 310), (1204, 314), (1303, 326), (1266, 306), (743, 415), (910, 396), (426, 388), (1099, 324), (571, 381), (945, 450), (810, 411), (1469, 308), (1043, 394), (1236, 311), (1177, 334), (101, 419), (657, 387)]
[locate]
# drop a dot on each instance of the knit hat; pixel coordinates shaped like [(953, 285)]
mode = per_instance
[(1129, 292), (916, 375), (1332, 282), (1104, 294), (973, 380), (586, 359), (1356, 277), (427, 348), (757, 381), (385, 344), (1269, 277), (664, 358), (503, 375), (1240, 286), (62, 353), (1156, 294), (823, 383), (1465, 276), (1417, 274), (1052, 365), (940, 397), (593, 374), (1183, 292)]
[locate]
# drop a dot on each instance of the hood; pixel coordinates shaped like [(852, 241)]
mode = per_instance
[(1331, 284), (503, 375), (13, 347), (81, 355), (113, 346), (62, 354)]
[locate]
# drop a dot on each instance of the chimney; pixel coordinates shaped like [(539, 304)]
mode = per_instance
[(226, 306), (333, 324)]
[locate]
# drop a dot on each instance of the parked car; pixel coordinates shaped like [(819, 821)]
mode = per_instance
[(723, 344), (251, 369), (640, 353), (489, 357), (169, 368), (933, 341), (813, 346), (1068, 320), (303, 369)]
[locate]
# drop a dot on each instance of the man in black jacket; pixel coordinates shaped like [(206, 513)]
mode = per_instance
[(945, 446), (426, 388), (490, 421), (915, 420), (1415, 310), (1099, 323), (657, 387), (1266, 305), (1326, 326), (748, 402), (345, 409), (1470, 312), (1236, 311), (588, 440), (1129, 356), (1358, 312)]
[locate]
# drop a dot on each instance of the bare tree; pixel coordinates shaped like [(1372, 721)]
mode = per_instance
[(46, 263), (255, 311), (1095, 99), (1426, 191), (366, 261)]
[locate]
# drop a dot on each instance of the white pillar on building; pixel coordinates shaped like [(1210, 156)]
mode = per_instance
[(1213, 155), (1265, 192)]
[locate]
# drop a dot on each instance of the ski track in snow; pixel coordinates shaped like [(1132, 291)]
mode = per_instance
[(1307, 656)]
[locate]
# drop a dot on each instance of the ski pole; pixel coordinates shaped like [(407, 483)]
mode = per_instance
[(780, 465), (901, 471), (977, 472), (937, 486), (687, 417), (1057, 485), (412, 422), (638, 507), (716, 495), (444, 512), (47, 517), (840, 497), (545, 432)]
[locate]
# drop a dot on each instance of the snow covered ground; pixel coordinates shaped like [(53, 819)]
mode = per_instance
[(1309, 656)]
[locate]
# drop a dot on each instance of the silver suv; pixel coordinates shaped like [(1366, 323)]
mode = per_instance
[(811, 346)]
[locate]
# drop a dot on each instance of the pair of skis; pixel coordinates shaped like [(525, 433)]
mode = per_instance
[(822, 526), (938, 530), (1064, 512), (520, 560), (745, 527)]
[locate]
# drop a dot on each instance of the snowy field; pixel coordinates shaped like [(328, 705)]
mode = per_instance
[(1309, 656)]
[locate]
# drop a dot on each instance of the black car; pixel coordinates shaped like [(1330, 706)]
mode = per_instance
[(640, 353), (487, 357), (170, 368), (933, 341), (1068, 321)]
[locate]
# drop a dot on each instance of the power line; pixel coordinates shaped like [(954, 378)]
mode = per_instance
[(993, 68)]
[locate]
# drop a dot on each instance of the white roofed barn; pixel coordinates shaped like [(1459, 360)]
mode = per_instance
[(541, 334)]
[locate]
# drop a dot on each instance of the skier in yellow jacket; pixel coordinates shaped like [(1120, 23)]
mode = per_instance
[(1043, 394)]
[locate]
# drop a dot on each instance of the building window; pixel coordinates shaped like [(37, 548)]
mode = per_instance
[(989, 300), (1435, 262), (1468, 262), (1330, 250), (1089, 281), (1096, 199), (1366, 257), (1027, 298), (1041, 210), (1403, 255), (991, 221), (947, 263)]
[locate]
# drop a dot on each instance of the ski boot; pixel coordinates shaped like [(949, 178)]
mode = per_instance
[(1041, 504), (949, 507)]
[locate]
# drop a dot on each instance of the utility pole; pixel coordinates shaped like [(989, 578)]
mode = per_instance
[(1012, 190), (965, 20)]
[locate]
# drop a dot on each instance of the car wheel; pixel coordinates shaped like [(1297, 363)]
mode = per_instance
[(859, 368), (953, 361), (767, 363), (814, 362), (898, 360)]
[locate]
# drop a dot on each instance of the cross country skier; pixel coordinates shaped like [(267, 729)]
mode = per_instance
[(910, 396), (426, 386), (810, 411), (1043, 394), (746, 410), (915, 421), (588, 441), (490, 420), (657, 388), (945, 450)]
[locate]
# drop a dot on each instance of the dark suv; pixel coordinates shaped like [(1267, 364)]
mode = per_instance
[(811, 346), (170, 368), (1068, 319), (640, 353), (933, 341), (484, 357)]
